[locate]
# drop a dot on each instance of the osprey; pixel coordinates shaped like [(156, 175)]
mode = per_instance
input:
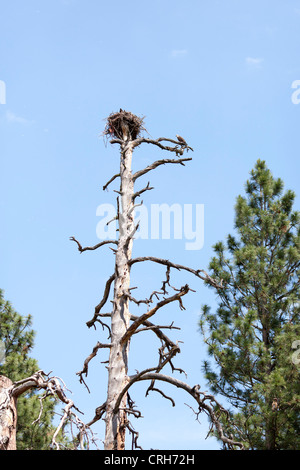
[(181, 139)]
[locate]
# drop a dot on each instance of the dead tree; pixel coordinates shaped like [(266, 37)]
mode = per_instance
[(125, 129), (53, 386)]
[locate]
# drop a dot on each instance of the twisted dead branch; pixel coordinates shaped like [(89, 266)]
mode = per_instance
[(90, 248), (53, 386), (154, 165), (102, 302), (183, 291), (179, 147), (213, 409), (200, 273), (84, 370)]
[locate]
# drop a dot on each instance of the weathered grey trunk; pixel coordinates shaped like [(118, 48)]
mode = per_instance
[(118, 360), (8, 415)]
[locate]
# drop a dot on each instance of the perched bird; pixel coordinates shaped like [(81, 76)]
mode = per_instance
[(284, 228), (275, 404), (181, 139)]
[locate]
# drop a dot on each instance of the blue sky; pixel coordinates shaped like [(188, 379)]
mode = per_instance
[(218, 73)]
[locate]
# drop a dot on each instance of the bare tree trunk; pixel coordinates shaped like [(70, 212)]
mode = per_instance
[(120, 320), (8, 415)]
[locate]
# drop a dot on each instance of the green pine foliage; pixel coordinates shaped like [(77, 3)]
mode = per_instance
[(18, 339), (251, 334)]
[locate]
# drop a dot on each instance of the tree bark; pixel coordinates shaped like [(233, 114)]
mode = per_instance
[(8, 415), (118, 361)]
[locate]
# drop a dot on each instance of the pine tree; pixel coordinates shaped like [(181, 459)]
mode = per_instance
[(252, 334), (17, 339)]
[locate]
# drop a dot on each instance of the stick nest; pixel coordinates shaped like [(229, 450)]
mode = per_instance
[(124, 125)]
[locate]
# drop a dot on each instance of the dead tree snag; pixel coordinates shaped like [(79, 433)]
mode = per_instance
[(8, 415), (54, 386), (125, 129)]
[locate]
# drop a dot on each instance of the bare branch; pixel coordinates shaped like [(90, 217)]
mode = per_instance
[(88, 359), (52, 386), (134, 207), (200, 397), (162, 393), (172, 347), (156, 328), (158, 163), (99, 412), (152, 327), (135, 436), (138, 193), (66, 414), (117, 141), (184, 290), (105, 242), (131, 234), (111, 220), (110, 181), (137, 302), (178, 149), (165, 262), (103, 301)]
